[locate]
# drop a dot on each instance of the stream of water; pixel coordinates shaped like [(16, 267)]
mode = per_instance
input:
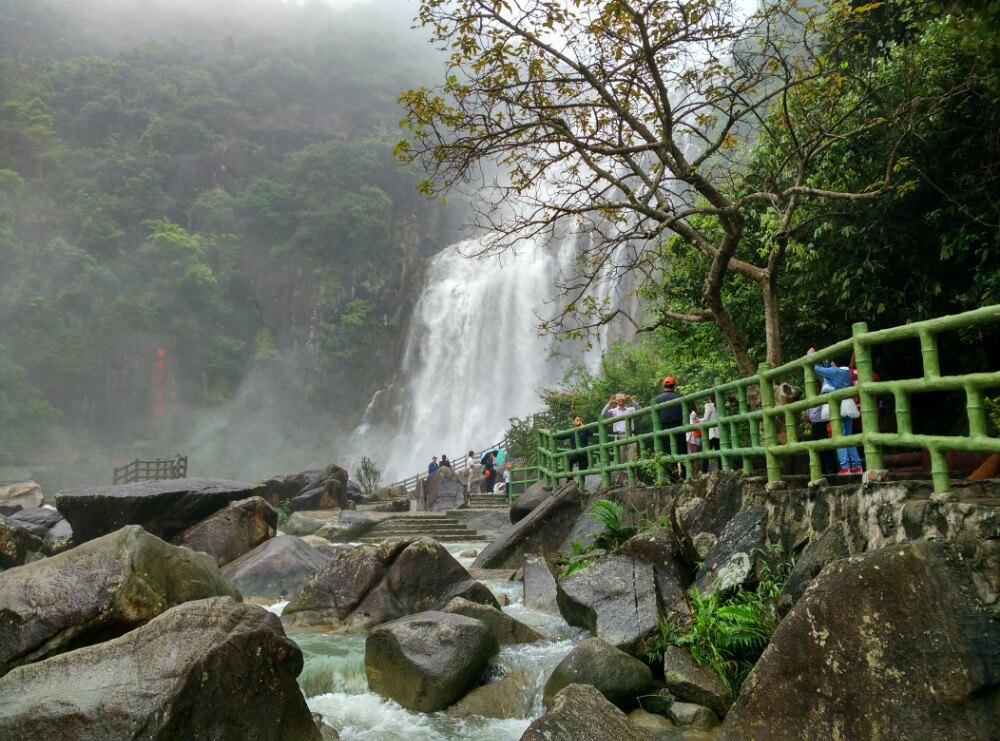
[(333, 678)]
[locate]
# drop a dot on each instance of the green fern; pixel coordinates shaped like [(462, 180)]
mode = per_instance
[(611, 515)]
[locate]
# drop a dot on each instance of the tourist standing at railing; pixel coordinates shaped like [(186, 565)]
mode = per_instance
[(489, 472), (577, 436), (445, 463), (837, 376), (472, 472), (506, 481), (433, 467), (617, 406), (672, 417), (819, 422), (694, 440), (710, 415)]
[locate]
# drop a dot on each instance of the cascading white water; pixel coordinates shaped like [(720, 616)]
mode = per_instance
[(473, 358)]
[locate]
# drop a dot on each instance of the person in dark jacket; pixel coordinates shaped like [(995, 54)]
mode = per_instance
[(489, 471), (445, 463), (577, 459), (672, 416)]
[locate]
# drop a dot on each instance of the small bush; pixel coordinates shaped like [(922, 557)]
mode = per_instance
[(611, 515), (284, 512), (369, 475)]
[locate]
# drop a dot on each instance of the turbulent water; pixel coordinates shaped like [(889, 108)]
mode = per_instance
[(333, 680), (474, 357)]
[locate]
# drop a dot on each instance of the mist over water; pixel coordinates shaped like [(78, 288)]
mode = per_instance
[(473, 358)]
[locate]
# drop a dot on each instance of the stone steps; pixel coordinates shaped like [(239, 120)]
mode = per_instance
[(442, 528)]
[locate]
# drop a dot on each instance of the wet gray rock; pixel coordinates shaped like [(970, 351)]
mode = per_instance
[(279, 488), (59, 538), (504, 628), (96, 591), (692, 683), (440, 492), (213, 668), (889, 643), (615, 598), (16, 544), (619, 677), (232, 531), (36, 520), (692, 716), (580, 711), (508, 697), (539, 585), (373, 584), (732, 561), (525, 504), (427, 661), (541, 532), (25, 495), (829, 547), (301, 525), (276, 569), (163, 508), (706, 504), (661, 550)]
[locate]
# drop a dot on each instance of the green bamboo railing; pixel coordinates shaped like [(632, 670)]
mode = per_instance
[(750, 431)]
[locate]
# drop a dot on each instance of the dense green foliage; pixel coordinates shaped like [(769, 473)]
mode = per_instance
[(195, 176), (727, 632)]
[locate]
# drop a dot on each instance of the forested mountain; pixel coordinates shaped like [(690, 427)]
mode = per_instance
[(192, 194)]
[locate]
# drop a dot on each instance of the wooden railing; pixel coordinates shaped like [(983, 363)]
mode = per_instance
[(745, 432), (155, 470)]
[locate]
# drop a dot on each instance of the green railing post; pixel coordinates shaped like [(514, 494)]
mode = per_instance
[(754, 437), (654, 417), (869, 405), (770, 428), (576, 449), (602, 438), (555, 459), (809, 389), (686, 419), (929, 354), (723, 429)]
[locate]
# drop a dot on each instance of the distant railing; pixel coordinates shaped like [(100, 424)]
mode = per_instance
[(155, 470), (745, 432), (457, 464), (32, 456)]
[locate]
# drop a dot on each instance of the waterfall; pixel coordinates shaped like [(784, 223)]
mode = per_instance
[(473, 356)]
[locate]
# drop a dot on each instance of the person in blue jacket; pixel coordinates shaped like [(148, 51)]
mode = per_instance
[(837, 377), (433, 467)]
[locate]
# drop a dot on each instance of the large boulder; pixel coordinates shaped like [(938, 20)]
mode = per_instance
[(207, 669), (26, 495), (580, 711), (373, 584), (285, 486), (705, 505), (692, 683), (508, 697), (619, 677), (892, 643), (328, 490), (17, 544), (36, 520), (542, 531), (301, 525), (732, 562), (539, 585), (829, 547), (440, 492), (504, 628), (97, 591), (163, 508), (661, 550), (615, 598), (427, 661), (232, 531), (525, 504), (277, 569)]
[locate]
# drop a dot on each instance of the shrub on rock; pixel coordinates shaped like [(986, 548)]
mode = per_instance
[(373, 584), (580, 711), (427, 661), (893, 643), (277, 569), (96, 591), (616, 675), (213, 668)]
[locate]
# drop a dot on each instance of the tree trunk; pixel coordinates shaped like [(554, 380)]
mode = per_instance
[(720, 314), (772, 319)]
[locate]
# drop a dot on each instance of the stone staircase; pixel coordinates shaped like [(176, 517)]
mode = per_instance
[(487, 501), (441, 527)]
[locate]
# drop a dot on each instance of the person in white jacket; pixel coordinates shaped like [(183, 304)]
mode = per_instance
[(618, 405)]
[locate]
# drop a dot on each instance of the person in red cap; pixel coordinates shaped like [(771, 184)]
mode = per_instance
[(672, 416)]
